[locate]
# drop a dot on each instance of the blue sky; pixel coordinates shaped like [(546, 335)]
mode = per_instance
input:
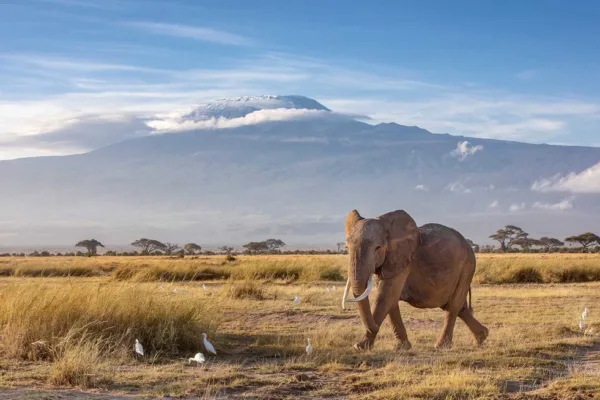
[(515, 70)]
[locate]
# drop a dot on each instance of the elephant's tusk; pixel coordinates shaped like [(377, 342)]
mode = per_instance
[(362, 296), (345, 294)]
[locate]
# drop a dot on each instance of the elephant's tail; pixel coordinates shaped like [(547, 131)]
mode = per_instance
[(470, 303)]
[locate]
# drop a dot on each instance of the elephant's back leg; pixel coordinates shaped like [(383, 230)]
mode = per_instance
[(457, 301)]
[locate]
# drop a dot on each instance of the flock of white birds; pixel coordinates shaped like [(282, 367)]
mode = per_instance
[(199, 357)]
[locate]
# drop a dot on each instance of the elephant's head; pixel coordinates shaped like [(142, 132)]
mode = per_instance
[(384, 246)]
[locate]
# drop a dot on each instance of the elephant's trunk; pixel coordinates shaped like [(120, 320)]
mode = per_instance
[(362, 301)]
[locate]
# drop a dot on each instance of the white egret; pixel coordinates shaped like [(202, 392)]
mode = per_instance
[(309, 348), (581, 324), (138, 347), (204, 287), (208, 345), (296, 300), (198, 358), (585, 313)]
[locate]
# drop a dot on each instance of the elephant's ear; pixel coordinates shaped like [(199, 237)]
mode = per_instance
[(351, 220), (402, 241)]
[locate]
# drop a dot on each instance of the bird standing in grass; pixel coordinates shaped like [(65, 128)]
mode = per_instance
[(208, 345), (581, 324), (296, 300), (309, 348), (138, 347), (584, 314), (198, 358)]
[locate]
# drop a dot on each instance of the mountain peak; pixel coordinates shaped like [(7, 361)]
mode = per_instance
[(237, 107)]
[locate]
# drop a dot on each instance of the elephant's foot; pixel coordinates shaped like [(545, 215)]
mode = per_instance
[(481, 336), (403, 345), (366, 343), (443, 343)]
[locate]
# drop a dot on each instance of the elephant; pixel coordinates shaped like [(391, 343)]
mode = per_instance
[(430, 266)]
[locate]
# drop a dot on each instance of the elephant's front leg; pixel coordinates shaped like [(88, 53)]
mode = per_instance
[(388, 295), (398, 328)]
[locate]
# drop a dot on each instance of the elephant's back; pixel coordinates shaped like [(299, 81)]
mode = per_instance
[(441, 257)]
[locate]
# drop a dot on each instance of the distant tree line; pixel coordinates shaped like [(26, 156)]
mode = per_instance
[(513, 239)]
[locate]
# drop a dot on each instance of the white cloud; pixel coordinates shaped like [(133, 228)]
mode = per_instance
[(563, 205), (191, 32), (587, 181), (494, 204), (457, 187), (278, 114), (517, 207), (44, 93), (421, 187), (465, 149)]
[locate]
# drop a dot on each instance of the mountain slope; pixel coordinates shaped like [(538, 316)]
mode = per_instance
[(293, 179)]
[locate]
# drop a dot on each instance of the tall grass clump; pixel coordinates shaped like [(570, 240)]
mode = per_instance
[(537, 268), (77, 363), (37, 319), (244, 290), (167, 272)]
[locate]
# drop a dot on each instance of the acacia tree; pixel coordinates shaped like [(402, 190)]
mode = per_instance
[(169, 248), (274, 244), (507, 236), (550, 244), (255, 247), (148, 246), (585, 239), (91, 245), (526, 243), (191, 248), (226, 249)]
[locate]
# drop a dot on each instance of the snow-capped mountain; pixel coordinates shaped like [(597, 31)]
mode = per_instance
[(295, 179), (238, 107)]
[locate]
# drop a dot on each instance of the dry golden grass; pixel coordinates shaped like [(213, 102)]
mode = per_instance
[(39, 319), (491, 268), (90, 323)]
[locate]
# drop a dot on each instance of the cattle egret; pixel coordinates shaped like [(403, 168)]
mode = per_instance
[(585, 313), (581, 324), (198, 358), (296, 300), (138, 347), (204, 287), (208, 345), (309, 348)]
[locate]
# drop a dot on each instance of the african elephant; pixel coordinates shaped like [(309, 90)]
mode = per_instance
[(428, 267)]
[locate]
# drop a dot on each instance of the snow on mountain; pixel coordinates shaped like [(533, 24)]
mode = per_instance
[(238, 107)]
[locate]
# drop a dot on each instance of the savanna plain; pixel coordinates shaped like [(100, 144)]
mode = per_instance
[(68, 328)]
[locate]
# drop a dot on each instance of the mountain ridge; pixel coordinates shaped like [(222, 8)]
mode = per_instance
[(295, 179)]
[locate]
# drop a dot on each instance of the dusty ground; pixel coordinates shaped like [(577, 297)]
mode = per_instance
[(535, 350)]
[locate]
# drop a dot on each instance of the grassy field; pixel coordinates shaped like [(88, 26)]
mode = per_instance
[(491, 268), (74, 330)]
